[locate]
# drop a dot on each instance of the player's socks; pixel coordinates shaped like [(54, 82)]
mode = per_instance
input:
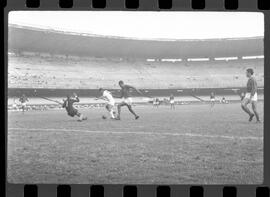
[(251, 117)]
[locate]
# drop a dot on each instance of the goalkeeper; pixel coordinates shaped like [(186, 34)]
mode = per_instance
[(71, 110)]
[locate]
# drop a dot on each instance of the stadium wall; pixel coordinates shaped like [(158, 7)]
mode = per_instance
[(30, 92)]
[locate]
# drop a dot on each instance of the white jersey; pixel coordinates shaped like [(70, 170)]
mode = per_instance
[(109, 97)]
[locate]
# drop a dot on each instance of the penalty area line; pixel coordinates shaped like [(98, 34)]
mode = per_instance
[(144, 133)]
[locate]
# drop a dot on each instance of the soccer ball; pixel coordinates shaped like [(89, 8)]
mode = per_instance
[(104, 117)]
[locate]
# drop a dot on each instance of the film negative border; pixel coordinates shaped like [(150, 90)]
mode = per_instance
[(195, 5), (44, 190), (134, 191)]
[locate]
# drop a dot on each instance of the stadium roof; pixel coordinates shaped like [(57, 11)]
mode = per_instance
[(23, 38)]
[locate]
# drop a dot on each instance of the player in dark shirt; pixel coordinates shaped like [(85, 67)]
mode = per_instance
[(156, 102), (71, 111), (23, 99), (212, 99), (251, 96), (127, 100)]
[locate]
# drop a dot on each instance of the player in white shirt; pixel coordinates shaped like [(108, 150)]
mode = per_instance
[(109, 100)]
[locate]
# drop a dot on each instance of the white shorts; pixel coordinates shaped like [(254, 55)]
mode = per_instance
[(23, 104), (127, 100), (112, 103), (254, 98), (172, 101), (213, 100)]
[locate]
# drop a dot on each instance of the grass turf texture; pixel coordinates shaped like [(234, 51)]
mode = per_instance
[(192, 144)]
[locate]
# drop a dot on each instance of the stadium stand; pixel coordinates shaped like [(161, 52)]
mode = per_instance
[(53, 59), (37, 71)]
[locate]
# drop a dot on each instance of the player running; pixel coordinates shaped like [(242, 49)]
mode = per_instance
[(127, 100), (212, 99), (110, 102), (172, 101), (23, 99), (71, 111), (251, 96), (155, 102)]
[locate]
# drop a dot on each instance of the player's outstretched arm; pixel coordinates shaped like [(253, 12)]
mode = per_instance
[(64, 103), (101, 98), (137, 90)]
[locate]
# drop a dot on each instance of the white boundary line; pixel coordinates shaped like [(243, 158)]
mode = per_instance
[(144, 133)]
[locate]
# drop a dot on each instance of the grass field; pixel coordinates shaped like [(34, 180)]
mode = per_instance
[(189, 145)]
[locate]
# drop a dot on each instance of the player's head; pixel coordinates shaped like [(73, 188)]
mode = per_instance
[(249, 72), (121, 83), (101, 90)]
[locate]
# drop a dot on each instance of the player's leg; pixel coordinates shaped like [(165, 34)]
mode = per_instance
[(119, 109), (109, 108), (128, 101), (244, 104), (80, 115), (254, 108), (132, 111)]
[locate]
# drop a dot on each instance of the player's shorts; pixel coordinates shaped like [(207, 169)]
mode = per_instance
[(72, 112), (212, 100), (127, 101), (24, 105), (171, 101), (254, 98), (111, 103)]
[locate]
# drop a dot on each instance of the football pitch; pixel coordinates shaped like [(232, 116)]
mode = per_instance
[(192, 144)]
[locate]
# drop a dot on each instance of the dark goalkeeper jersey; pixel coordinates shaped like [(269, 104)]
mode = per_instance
[(68, 104)]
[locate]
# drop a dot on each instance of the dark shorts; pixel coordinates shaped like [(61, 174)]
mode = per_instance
[(73, 112)]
